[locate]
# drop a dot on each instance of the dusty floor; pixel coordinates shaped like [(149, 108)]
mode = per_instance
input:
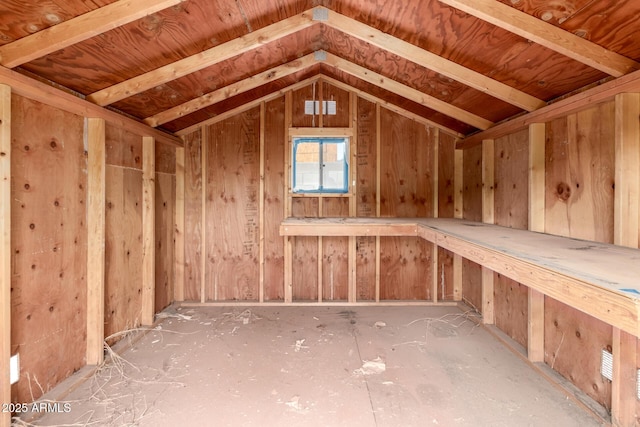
[(318, 366)]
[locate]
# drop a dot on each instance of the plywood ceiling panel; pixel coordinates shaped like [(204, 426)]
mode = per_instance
[(193, 26)]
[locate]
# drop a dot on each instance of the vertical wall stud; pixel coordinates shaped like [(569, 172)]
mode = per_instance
[(288, 245), (457, 213), (96, 240), (263, 112), (378, 164), (148, 229), (626, 213), (353, 178), (5, 251), (488, 217), (435, 200), (535, 323), (204, 143), (178, 290)]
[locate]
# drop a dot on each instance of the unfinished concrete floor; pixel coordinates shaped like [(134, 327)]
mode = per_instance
[(318, 366)]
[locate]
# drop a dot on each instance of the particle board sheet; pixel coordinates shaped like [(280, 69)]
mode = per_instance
[(232, 208), (49, 244), (192, 216), (580, 174), (274, 199), (123, 249)]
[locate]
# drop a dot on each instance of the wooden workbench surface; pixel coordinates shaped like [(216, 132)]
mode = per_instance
[(600, 279)]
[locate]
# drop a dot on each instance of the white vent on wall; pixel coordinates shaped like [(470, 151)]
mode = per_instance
[(606, 368), (311, 107), (14, 369)]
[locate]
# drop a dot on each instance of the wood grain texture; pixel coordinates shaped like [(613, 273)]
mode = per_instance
[(123, 250), (274, 199), (233, 173), (573, 345), (472, 184), (305, 253), (335, 254), (405, 191), (192, 216), (48, 298), (165, 202), (580, 175), (5, 249)]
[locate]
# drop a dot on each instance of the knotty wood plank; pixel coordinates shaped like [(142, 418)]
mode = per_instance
[(335, 254), (165, 251), (148, 230), (580, 174), (96, 192), (5, 250)]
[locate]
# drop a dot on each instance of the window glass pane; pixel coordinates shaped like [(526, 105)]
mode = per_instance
[(320, 165), (307, 166), (334, 166)]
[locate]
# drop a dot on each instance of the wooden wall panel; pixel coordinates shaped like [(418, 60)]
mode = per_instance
[(472, 184), (305, 253), (274, 198), (579, 203), (341, 96), (49, 243), (123, 249), (573, 343), (511, 203), (580, 174), (446, 149), (335, 254), (164, 239), (123, 148), (366, 194), (192, 216), (165, 158), (406, 191), (299, 118), (472, 210), (233, 176)]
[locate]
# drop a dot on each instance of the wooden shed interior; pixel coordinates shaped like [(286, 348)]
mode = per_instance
[(493, 159)]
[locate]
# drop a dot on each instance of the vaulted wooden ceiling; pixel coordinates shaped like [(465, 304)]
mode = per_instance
[(464, 65)]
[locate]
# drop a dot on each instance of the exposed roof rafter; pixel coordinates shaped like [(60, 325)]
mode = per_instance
[(80, 28), (203, 59), (433, 62), (232, 90), (547, 35), (408, 92)]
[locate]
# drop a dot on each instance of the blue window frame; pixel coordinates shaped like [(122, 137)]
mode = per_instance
[(320, 165)]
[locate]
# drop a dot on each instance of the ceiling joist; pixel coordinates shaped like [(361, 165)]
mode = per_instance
[(433, 62), (203, 59), (408, 92), (79, 29), (547, 35)]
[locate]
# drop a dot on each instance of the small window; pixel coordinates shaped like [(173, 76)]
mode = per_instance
[(320, 165)]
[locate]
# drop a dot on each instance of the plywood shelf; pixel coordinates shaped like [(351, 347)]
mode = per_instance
[(599, 279)]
